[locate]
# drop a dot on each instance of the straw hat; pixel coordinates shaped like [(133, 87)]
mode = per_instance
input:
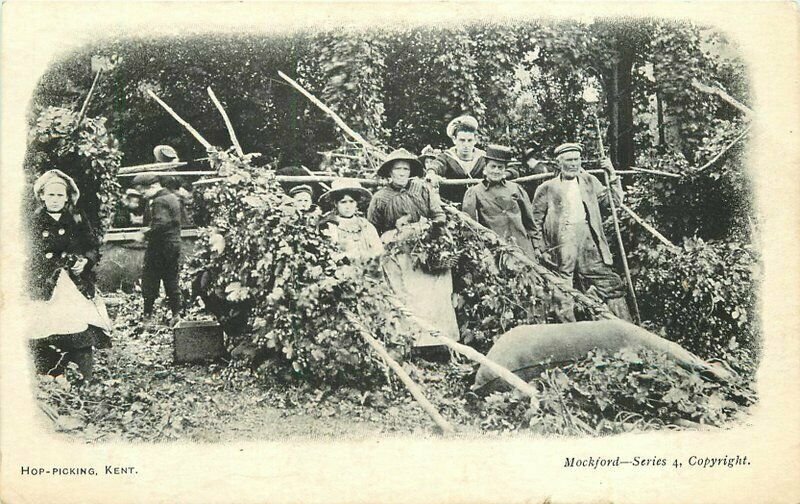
[(165, 154), (340, 188), (385, 169), (73, 193)]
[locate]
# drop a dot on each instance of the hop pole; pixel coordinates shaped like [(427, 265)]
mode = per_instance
[(339, 122), (228, 125), (636, 316), (182, 122), (413, 388), (470, 353), (85, 106)]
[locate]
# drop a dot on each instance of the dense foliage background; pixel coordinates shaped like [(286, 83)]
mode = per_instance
[(529, 83)]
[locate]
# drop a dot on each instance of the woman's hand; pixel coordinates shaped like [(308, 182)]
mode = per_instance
[(402, 222), (79, 266)]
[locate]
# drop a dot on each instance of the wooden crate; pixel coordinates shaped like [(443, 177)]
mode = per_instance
[(197, 341)]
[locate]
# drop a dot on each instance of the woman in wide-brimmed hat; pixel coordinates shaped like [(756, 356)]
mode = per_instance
[(405, 196), (70, 316), (401, 211), (355, 235)]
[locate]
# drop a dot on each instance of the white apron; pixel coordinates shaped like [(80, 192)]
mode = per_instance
[(67, 311)]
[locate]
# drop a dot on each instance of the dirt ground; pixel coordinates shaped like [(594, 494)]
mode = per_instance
[(138, 393)]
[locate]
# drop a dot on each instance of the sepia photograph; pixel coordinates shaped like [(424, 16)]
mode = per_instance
[(504, 230)]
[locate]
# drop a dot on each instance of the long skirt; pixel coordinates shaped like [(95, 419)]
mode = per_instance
[(428, 296)]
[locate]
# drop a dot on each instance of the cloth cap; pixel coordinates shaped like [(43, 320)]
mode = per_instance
[(467, 120), (567, 147), (341, 187), (301, 188), (73, 193), (133, 192), (498, 153), (165, 154), (145, 179), (385, 169)]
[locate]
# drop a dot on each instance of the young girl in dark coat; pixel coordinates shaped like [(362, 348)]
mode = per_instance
[(69, 318)]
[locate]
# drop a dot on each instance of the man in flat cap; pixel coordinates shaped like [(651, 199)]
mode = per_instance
[(162, 219), (501, 205), (569, 231), (463, 160)]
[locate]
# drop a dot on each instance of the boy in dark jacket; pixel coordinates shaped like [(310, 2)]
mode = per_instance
[(162, 231)]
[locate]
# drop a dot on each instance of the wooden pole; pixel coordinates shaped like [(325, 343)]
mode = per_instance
[(544, 176), (231, 132), (468, 352), (504, 373), (655, 172), (312, 174), (722, 94), (336, 154), (300, 178), (85, 106), (319, 178), (328, 111), (636, 317), (171, 173), (413, 388), (649, 228), (599, 308), (150, 167), (180, 120), (724, 150)]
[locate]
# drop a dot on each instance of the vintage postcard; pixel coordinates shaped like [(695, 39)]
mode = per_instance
[(391, 252)]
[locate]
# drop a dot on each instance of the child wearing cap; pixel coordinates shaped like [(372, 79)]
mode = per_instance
[(163, 235)]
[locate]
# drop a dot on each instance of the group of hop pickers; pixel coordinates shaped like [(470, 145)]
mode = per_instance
[(560, 227)]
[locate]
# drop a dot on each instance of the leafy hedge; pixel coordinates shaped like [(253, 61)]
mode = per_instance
[(260, 249), (704, 297), (609, 394), (493, 291), (89, 154)]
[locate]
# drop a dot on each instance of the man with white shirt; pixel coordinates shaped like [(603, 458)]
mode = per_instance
[(569, 231)]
